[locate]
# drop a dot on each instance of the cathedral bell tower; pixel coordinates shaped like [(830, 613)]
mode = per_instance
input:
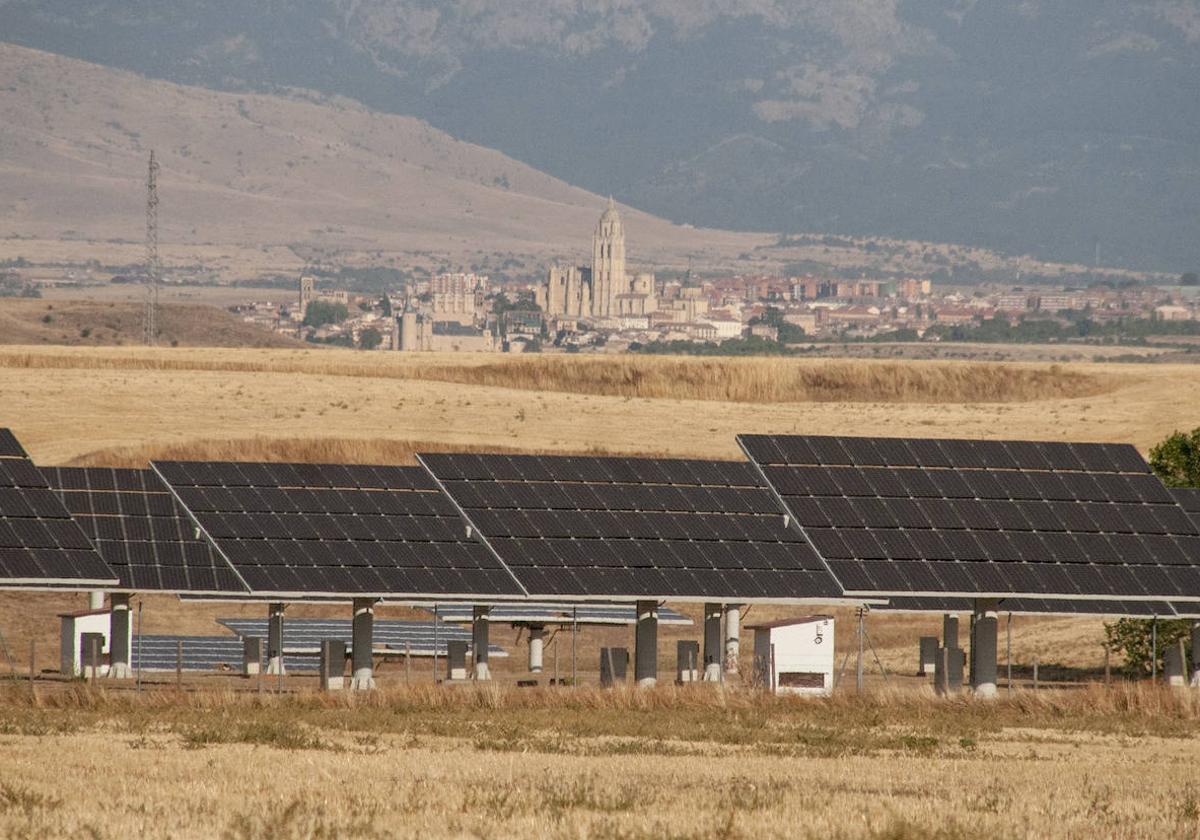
[(608, 263)]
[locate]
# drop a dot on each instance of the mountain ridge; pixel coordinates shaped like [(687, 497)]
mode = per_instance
[(1024, 126)]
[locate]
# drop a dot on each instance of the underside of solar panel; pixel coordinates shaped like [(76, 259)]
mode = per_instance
[(634, 528), (969, 518), (40, 545), (1034, 606), (141, 531), (342, 530)]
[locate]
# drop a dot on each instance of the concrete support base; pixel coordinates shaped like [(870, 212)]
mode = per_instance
[(118, 638), (712, 643), (733, 637), (480, 639), (983, 648), (1195, 664), (275, 640), (363, 631), (363, 679), (537, 642), (645, 655)]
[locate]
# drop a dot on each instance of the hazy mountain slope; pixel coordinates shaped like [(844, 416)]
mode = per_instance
[(1027, 125), (322, 176)]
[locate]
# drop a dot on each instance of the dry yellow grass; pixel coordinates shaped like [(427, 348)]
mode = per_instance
[(667, 763), (65, 403), (724, 380)]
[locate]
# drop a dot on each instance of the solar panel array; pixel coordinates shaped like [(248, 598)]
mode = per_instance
[(527, 613), (220, 654), (141, 531), (634, 527), (304, 635), (40, 545), (976, 518), (1188, 499), (297, 529), (1034, 606)]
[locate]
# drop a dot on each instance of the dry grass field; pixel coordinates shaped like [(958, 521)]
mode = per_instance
[(501, 762), (675, 763), (117, 322)]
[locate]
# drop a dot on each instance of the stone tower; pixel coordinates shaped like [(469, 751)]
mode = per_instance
[(608, 262)]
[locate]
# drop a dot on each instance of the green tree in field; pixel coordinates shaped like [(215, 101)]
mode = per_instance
[(370, 338), (322, 312), (1176, 461)]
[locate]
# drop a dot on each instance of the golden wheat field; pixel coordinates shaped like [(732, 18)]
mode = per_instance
[(1077, 759), (497, 762)]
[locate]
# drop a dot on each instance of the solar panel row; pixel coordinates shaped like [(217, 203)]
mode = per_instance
[(988, 518), (828, 451), (297, 529), (1034, 606), (630, 527), (40, 544), (141, 531), (676, 472)]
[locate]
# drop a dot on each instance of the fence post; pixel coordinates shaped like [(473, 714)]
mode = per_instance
[(32, 665), (179, 665), (1107, 669), (1035, 673), (407, 662)]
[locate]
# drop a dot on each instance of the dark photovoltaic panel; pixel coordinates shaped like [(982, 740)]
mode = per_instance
[(1035, 606), (304, 635), (634, 527), (969, 518), (561, 614), (218, 654), (334, 529), (40, 545), (1188, 499), (141, 531)]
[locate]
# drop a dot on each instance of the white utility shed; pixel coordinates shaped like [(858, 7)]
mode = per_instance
[(795, 655), (73, 626)]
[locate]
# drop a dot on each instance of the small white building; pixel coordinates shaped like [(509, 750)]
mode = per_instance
[(795, 655), (73, 626)]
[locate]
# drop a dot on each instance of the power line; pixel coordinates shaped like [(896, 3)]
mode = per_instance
[(153, 267)]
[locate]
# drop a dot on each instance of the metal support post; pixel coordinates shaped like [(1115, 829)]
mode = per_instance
[(362, 667), (645, 655), (479, 643)]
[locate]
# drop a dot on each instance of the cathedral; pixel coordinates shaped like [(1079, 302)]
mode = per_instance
[(602, 290)]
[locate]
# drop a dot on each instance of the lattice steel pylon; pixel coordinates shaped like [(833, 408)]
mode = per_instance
[(153, 268)]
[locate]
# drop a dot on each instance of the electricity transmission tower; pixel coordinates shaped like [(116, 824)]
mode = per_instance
[(153, 268)]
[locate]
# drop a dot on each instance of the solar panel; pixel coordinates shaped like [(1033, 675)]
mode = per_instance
[(218, 654), (295, 530), (303, 636), (1035, 606), (563, 614), (965, 518), (141, 531), (1187, 498), (40, 545), (592, 528)]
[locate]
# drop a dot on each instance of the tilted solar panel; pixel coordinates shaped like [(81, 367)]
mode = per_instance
[(141, 531), (1035, 606), (968, 518), (40, 545), (337, 529), (1188, 498), (634, 528)]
